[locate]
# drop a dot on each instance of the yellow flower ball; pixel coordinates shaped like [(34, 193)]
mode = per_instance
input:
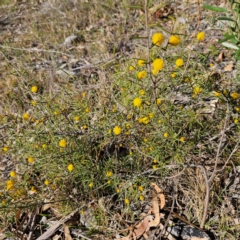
[(141, 75), (62, 143), (127, 201), (182, 139), (141, 92), (34, 89), (90, 184), (174, 40), (109, 173), (33, 103), (70, 167), (5, 149), (179, 62), (9, 185), (87, 110), (217, 94), (140, 188), (118, 190), (12, 174), (173, 75), (201, 36), (157, 39), (197, 90), (159, 101), (46, 182), (234, 95), (141, 62), (141, 198), (31, 160), (131, 68), (26, 116), (137, 102), (117, 130), (157, 65), (166, 135)]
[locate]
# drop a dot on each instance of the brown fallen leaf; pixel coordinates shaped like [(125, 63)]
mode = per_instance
[(155, 211), (228, 68), (160, 195), (67, 233), (142, 227)]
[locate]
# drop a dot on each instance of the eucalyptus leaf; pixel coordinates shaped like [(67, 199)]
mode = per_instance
[(230, 45), (214, 8), (226, 19)]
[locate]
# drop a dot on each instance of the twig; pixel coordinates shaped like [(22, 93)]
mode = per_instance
[(147, 31), (35, 50), (219, 146)]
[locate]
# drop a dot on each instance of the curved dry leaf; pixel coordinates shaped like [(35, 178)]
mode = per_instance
[(155, 211), (142, 227), (160, 195)]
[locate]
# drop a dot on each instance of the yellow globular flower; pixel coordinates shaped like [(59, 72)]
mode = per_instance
[(109, 181), (9, 185), (179, 62), (182, 139), (87, 110), (201, 36), (237, 109), (46, 182), (33, 190), (158, 101), (44, 146), (197, 90), (90, 184), (33, 103), (127, 201), (154, 167), (12, 174), (131, 68), (56, 112), (173, 75), (151, 115), (137, 102), (84, 94), (141, 92), (157, 39), (155, 160), (235, 120), (140, 188), (211, 65), (144, 120), (109, 173), (26, 116), (174, 40), (141, 75), (34, 89), (62, 143), (141, 62), (118, 190), (217, 94), (70, 167), (157, 65), (117, 130), (31, 160), (76, 119), (234, 95), (5, 148), (166, 135), (141, 197), (3, 203)]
